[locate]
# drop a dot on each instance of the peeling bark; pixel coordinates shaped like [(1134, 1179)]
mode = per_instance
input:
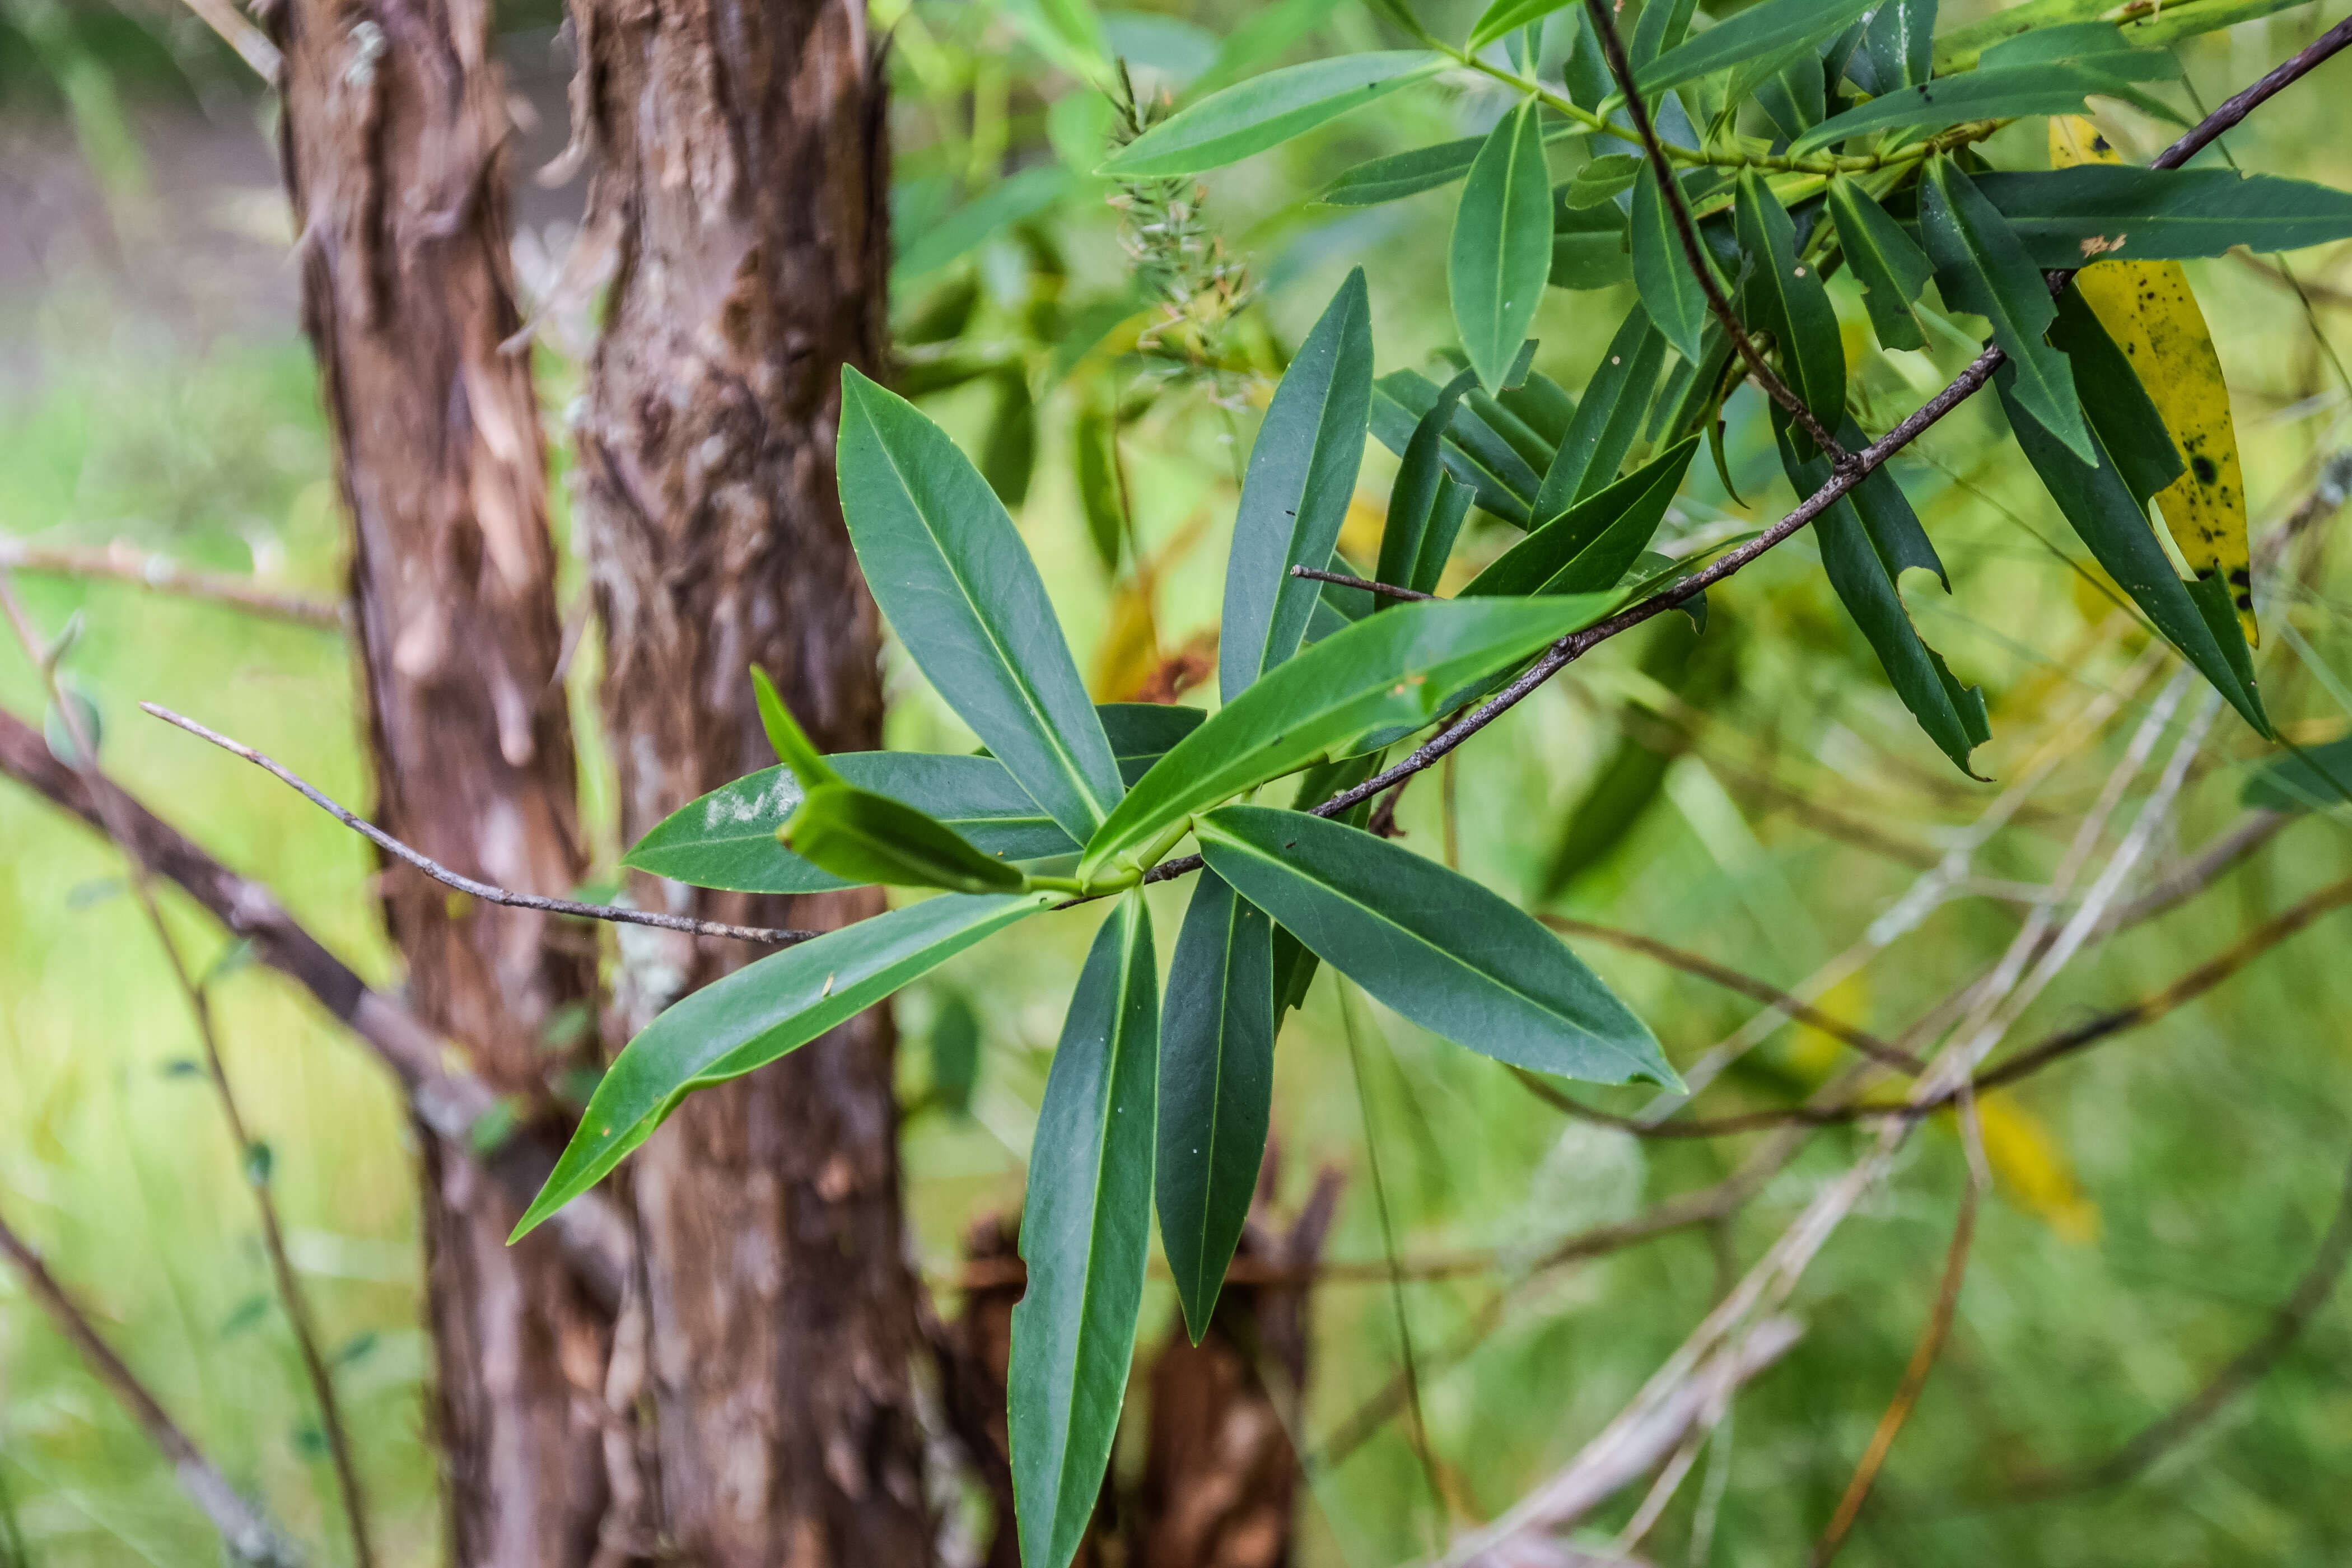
[(739, 183), (393, 137)]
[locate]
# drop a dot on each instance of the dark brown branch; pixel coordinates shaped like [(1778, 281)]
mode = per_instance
[(464, 884), (1366, 584), (1747, 986), (1929, 1345), (1694, 252), (250, 1536), (119, 563), (2244, 1370), (447, 1104)]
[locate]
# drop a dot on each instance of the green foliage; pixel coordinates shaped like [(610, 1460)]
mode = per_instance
[(1502, 245)]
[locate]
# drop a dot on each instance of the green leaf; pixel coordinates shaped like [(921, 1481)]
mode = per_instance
[(1774, 27), (1589, 245), (726, 840), (785, 737), (1008, 453), (1960, 49), (2048, 72), (1301, 478), (861, 837), (1094, 456), (1010, 200), (1603, 178), (1662, 25), (2099, 506), (1475, 454), (1587, 548), (1693, 388), (1982, 269), (2066, 216), (948, 568), (1901, 43), (1501, 18), (1785, 296), (1890, 268), (1396, 667), (1216, 1089), (1502, 245), (2313, 778), (1425, 505), (1085, 1230), (1141, 732), (954, 1047), (1402, 174), (1670, 291), (1253, 115), (756, 1014), (1608, 421), (1431, 944), (1794, 96), (1868, 538)]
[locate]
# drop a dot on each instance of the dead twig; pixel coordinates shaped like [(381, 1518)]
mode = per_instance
[(251, 1537), (464, 884), (1388, 589), (119, 563)]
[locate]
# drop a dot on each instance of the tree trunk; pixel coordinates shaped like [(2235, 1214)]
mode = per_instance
[(740, 177), (394, 132)]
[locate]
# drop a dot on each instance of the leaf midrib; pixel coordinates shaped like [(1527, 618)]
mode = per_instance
[(1029, 697)]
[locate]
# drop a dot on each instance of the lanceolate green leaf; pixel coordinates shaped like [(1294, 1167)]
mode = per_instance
[(1506, 15), (1609, 419), (1431, 944), (1661, 26), (2047, 73), (2100, 508), (2125, 417), (1982, 269), (2312, 778), (1302, 475), (1427, 505), (1251, 116), (1402, 174), (1141, 732), (1216, 1089), (1475, 454), (756, 1014), (727, 838), (863, 836), (1393, 668), (1891, 269), (1772, 28), (1901, 43), (1669, 291), (1502, 244), (949, 571), (2066, 216), (1868, 539), (1587, 244), (1587, 548), (1086, 1230), (1785, 296)]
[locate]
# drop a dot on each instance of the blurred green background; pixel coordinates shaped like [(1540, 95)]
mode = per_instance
[(2153, 1200)]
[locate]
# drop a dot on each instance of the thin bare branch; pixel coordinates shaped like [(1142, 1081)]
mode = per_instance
[(1604, 23), (1388, 589), (119, 563), (464, 884), (447, 1101), (252, 1538), (256, 50), (292, 1297)]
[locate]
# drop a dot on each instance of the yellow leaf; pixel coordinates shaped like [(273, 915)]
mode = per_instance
[(1129, 649), (1815, 1051), (2034, 1169), (1359, 536), (2148, 309)]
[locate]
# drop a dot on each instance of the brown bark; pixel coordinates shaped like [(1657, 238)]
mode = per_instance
[(394, 132), (739, 175)]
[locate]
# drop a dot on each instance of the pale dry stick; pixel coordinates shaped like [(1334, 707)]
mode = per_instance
[(465, 884), (1770, 1280), (1613, 47), (253, 1540), (1669, 1480), (119, 563), (292, 1297), (1387, 590), (251, 44)]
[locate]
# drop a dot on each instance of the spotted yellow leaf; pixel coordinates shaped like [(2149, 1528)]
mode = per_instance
[(2148, 309)]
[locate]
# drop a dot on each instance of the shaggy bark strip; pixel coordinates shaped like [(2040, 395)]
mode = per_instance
[(394, 141), (739, 183)]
